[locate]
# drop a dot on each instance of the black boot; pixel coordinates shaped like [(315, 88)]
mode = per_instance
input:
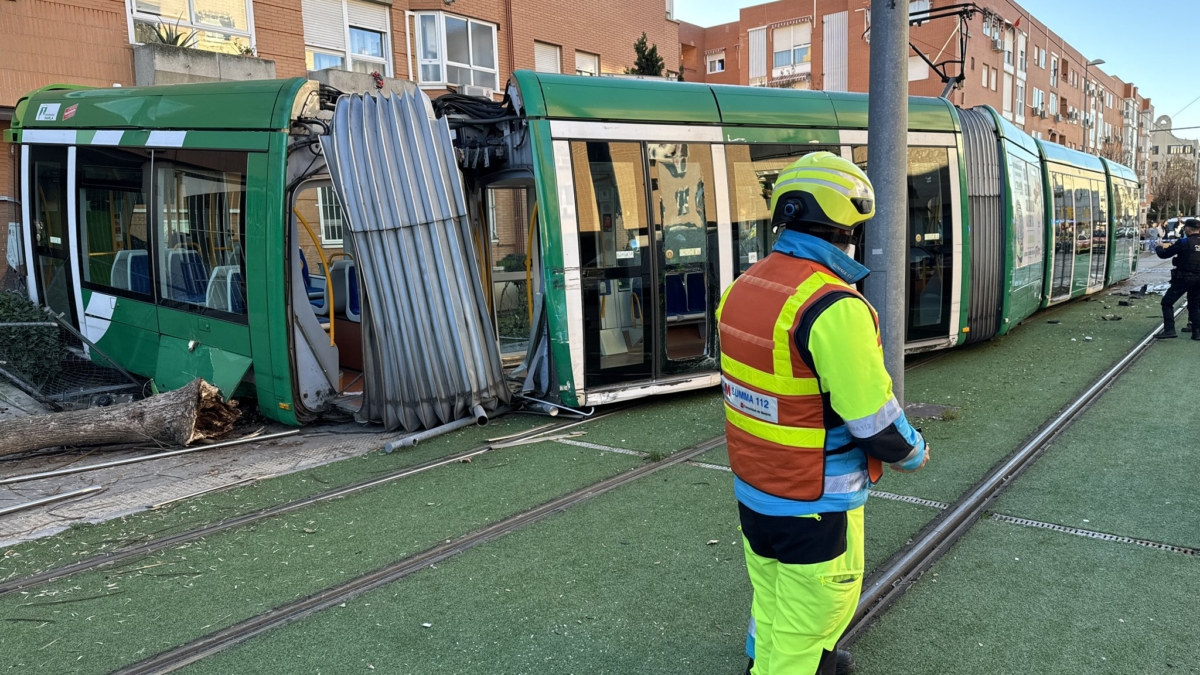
[(1196, 335), (1188, 328), (750, 667), (845, 662), (1167, 334)]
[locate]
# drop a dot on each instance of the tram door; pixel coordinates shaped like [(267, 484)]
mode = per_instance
[(648, 259), (50, 228)]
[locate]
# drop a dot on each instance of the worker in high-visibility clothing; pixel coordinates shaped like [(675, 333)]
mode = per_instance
[(810, 417)]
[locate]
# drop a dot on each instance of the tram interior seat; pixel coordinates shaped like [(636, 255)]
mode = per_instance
[(314, 292), (353, 302), (226, 289), (686, 299), (131, 271), (187, 278), (337, 279)]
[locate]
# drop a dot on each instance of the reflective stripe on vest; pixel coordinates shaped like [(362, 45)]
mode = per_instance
[(775, 415)]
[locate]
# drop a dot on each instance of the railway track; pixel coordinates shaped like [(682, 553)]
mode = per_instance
[(119, 555), (886, 585), (880, 591)]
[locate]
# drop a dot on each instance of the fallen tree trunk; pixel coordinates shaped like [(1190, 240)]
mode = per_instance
[(175, 418)]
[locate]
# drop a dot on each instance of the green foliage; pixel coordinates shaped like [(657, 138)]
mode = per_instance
[(30, 352), (165, 34), (648, 61), (513, 262)]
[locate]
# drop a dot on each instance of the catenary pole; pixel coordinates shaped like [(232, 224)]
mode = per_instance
[(887, 165)]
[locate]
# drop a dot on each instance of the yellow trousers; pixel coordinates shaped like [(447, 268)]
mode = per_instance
[(801, 610)]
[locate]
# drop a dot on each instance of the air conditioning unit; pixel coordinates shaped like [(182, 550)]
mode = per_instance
[(1073, 115), (1057, 117), (470, 90), (1042, 113), (997, 44)]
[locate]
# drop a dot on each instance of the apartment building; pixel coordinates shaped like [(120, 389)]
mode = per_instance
[(471, 45), (1011, 61), (1173, 160)]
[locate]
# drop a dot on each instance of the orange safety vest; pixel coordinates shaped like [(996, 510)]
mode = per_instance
[(775, 415)]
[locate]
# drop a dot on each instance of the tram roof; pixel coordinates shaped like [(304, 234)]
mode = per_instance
[(655, 100), (253, 105), (1053, 152), (1014, 134), (1120, 170)]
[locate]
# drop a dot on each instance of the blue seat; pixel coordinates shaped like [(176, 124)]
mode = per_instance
[(697, 294), (353, 303), (677, 304), (139, 272), (187, 277), (237, 292)]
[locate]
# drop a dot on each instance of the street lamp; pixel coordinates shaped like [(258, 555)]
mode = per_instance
[(1087, 99)]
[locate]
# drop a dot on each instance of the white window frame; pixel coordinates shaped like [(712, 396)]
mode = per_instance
[(348, 57), (792, 67), (326, 224), (1053, 106), (985, 75), (584, 73), (536, 43), (714, 59), (1055, 73), (132, 16), (445, 63)]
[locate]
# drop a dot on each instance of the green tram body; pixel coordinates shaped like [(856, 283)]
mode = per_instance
[(650, 198)]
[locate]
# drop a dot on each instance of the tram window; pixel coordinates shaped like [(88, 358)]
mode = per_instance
[(752, 173), (930, 241), (113, 222), (684, 213), (48, 169), (200, 199), (1084, 215), (1064, 236), (509, 221), (610, 199)]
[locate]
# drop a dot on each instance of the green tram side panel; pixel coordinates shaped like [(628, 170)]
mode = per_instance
[(157, 341), (1123, 246), (593, 98), (1057, 158), (1024, 292), (251, 105)]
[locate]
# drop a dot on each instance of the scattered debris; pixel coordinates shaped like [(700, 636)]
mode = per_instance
[(1087, 338), (1125, 303), (1055, 321), (713, 542), (1111, 317), (426, 625)]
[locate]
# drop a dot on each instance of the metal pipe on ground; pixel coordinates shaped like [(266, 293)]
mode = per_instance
[(887, 165), (478, 417), (49, 500), (144, 458)]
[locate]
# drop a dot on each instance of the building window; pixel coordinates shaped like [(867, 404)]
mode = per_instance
[(987, 25), (347, 35), (993, 76), (457, 51), (587, 64), (716, 62), (985, 76), (792, 45), (1154, 150), (1021, 63), (1020, 99), (211, 25), (547, 58), (1039, 97), (1053, 71), (915, 6), (331, 217), (1053, 103)]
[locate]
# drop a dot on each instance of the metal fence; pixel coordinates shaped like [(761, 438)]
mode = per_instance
[(48, 360)]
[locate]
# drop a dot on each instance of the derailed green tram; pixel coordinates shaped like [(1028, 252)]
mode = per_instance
[(196, 229)]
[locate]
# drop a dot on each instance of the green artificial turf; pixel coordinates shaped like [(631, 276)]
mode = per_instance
[(628, 583), (1009, 387), (716, 456), (1124, 467), (662, 424), (84, 540), (1011, 600), (105, 619)]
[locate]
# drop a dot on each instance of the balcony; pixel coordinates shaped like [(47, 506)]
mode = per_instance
[(155, 64)]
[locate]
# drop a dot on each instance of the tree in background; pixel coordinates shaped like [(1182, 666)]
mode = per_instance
[(648, 61), (1175, 188)]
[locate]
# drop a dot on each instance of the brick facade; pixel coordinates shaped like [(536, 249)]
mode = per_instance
[(1123, 116)]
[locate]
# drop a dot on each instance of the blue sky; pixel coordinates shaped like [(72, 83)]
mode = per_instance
[(1155, 46)]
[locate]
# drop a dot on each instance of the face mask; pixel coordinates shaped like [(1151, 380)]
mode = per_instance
[(848, 249)]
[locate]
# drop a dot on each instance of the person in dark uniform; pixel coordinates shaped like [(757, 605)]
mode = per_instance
[(1185, 278)]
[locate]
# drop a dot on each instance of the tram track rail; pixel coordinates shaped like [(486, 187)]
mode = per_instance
[(200, 648), (890, 582), (111, 558)]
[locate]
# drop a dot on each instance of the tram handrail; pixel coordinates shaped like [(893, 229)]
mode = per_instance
[(328, 272)]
